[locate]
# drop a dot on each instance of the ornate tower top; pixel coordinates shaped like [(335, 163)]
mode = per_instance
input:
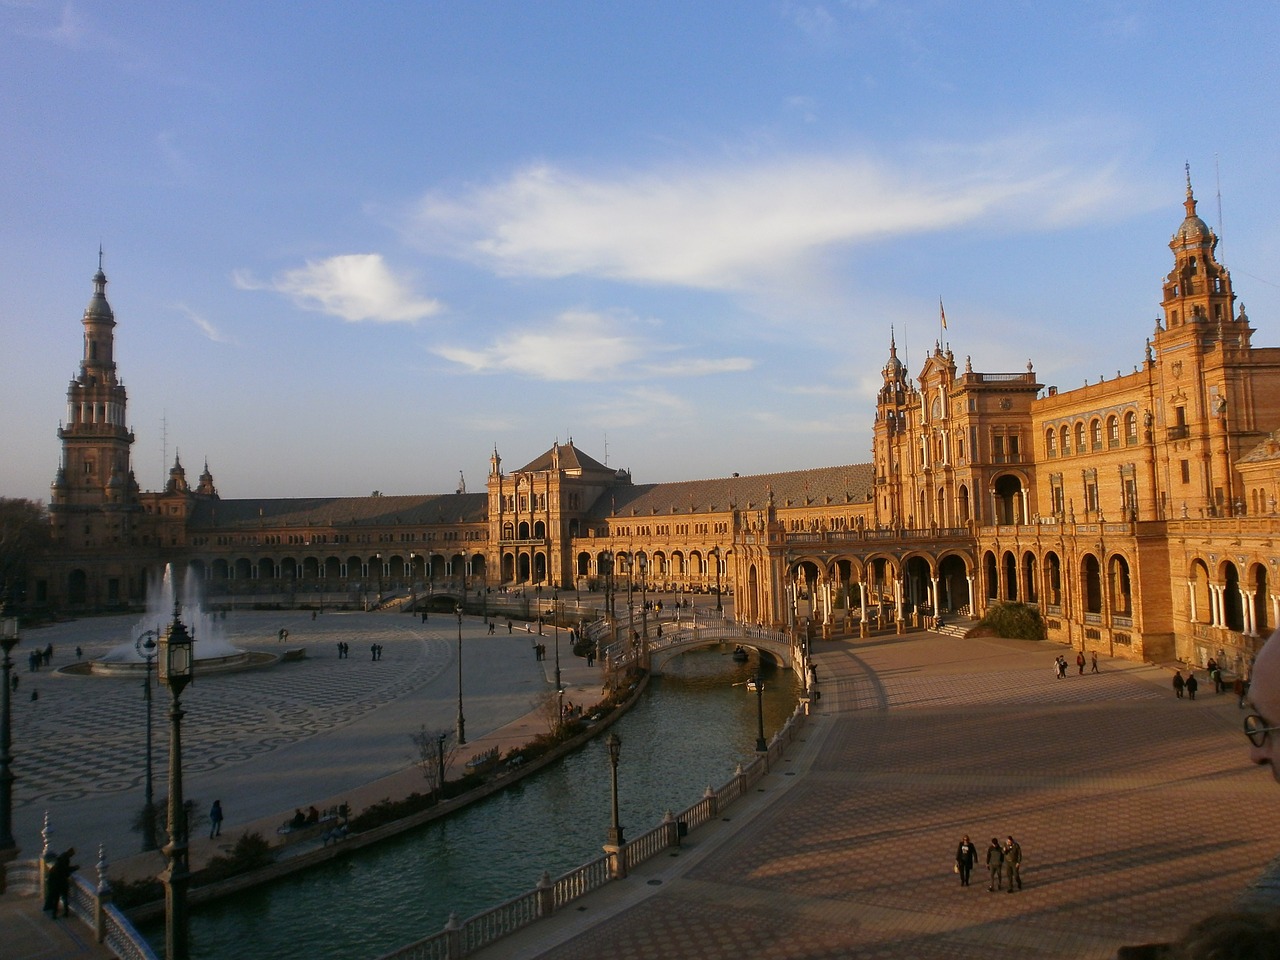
[(1197, 292)]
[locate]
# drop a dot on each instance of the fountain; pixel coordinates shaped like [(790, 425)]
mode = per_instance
[(213, 653)]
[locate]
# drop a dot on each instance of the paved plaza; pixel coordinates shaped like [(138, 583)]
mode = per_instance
[(1137, 814), (317, 731)]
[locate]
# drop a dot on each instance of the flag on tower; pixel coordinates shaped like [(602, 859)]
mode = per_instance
[(942, 313)]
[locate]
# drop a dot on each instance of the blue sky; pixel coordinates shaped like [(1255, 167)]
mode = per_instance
[(354, 246)]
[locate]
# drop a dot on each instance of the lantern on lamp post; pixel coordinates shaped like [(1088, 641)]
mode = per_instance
[(614, 745), (176, 666), (146, 646)]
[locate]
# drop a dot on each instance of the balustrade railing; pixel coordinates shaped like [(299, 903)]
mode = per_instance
[(93, 907), (457, 940), (579, 882)]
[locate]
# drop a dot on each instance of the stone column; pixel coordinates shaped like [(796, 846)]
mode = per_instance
[(1191, 595)]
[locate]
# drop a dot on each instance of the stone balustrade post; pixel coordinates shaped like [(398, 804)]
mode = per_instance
[(46, 834), (714, 801), (102, 896), (453, 938), (546, 895), (670, 830), (617, 860)]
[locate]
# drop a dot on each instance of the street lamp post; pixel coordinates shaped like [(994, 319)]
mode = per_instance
[(762, 745), (146, 647), (614, 745), (378, 559), (606, 558), (462, 723), (176, 662), (440, 766), (555, 614), (8, 640), (644, 611), (631, 604), (715, 552)]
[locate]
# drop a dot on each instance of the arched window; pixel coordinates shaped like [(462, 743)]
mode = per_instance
[(1051, 443), (1130, 428), (1065, 435), (1080, 444), (1113, 431), (1095, 428)]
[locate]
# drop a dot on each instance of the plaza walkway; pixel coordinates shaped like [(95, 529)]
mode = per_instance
[(1137, 814)]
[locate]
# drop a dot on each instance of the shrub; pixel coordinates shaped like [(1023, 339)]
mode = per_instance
[(1014, 621), (251, 852)]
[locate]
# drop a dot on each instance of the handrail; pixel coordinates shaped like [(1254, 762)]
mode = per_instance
[(458, 940), (90, 906)]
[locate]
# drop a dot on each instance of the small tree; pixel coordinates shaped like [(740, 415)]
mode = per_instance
[(24, 534), (195, 819), (435, 752)]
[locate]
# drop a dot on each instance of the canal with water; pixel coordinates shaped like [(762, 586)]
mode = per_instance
[(691, 729)]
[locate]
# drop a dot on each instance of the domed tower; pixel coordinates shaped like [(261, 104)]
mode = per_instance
[(94, 477), (1197, 292), (891, 444)]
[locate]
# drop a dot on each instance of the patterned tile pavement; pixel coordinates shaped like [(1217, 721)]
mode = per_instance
[(1137, 813), (263, 741)]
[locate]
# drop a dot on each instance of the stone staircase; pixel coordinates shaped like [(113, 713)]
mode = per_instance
[(958, 628)]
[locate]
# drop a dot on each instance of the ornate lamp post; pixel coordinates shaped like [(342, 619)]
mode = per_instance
[(462, 723), (8, 640), (606, 560), (615, 749), (440, 766), (715, 552), (146, 647), (378, 559), (413, 582), (762, 746), (176, 663), (644, 610), (555, 614)]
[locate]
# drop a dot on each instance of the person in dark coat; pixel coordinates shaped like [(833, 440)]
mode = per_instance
[(995, 865), (1178, 683), (1013, 863), (1192, 685), (966, 857), (57, 883)]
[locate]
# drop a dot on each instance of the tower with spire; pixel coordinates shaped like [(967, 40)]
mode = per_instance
[(94, 492)]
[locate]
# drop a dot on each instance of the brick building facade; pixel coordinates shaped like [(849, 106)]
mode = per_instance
[(1137, 513)]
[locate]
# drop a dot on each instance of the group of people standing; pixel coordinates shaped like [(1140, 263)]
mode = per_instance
[(1060, 665), (1004, 863)]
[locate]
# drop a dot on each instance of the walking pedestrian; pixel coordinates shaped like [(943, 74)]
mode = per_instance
[(57, 883), (1080, 663), (966, 857), (215, 819), (1178, 683), (995, 865), (1093, 662), (1238, 687), (1013, 863), (1192, 684)]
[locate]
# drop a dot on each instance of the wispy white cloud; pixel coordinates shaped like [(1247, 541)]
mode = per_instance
[(727, 226), (637, 406), (582, 345), (356, 287), (700, 366), (205, 326)]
